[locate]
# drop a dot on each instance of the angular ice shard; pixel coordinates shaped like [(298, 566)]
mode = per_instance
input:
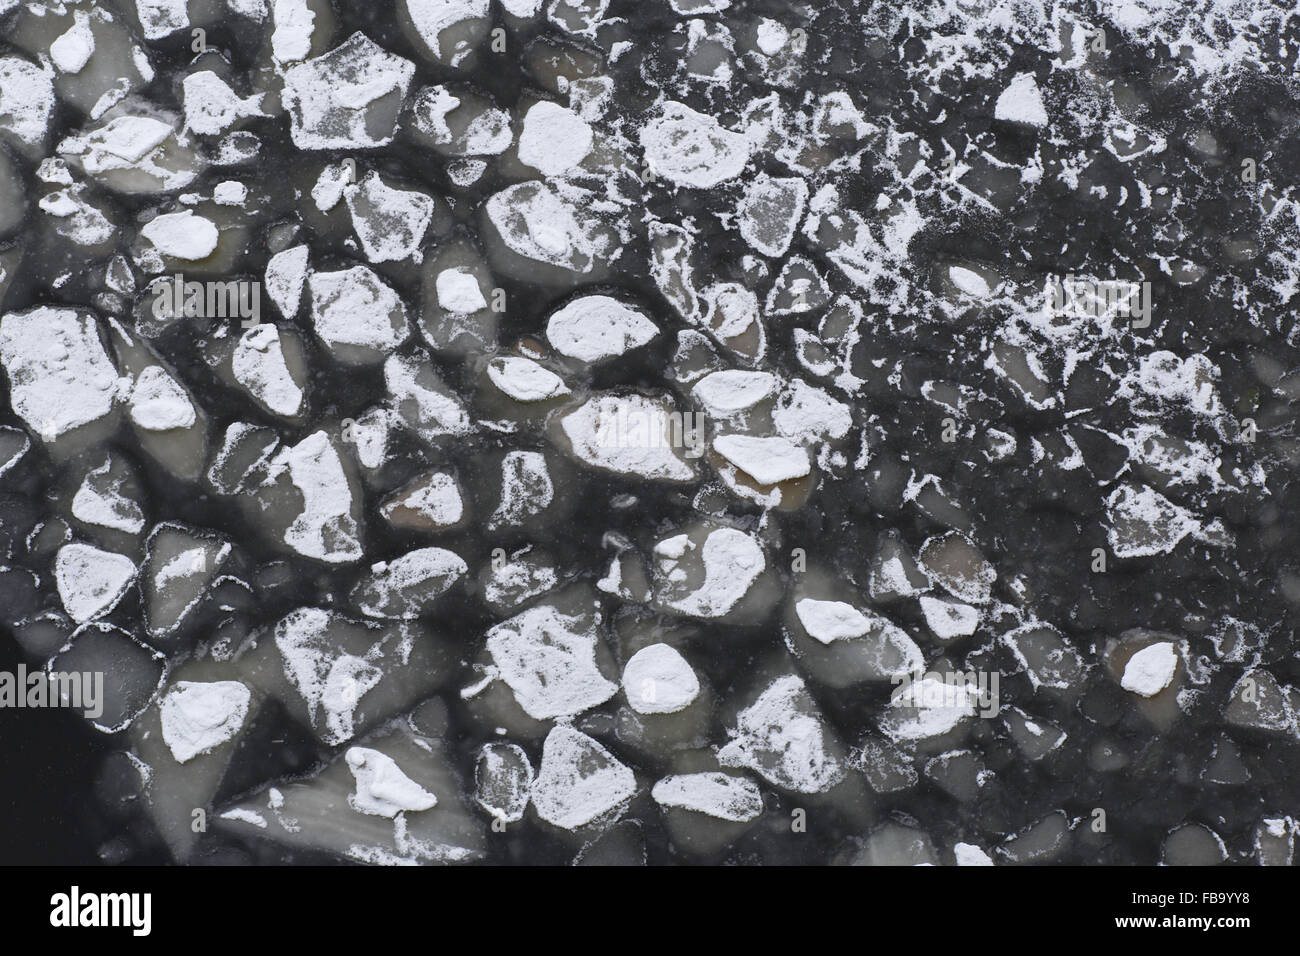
[(549, 659), (91, 581), (580, 783), (389, 222), (60, 376), (357, 315), (406, 586), (782, 737), (181, 564), (347, 99)]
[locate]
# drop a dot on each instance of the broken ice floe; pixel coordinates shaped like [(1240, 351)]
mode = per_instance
[(589, 394)]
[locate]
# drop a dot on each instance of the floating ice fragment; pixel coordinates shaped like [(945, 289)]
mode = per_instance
[(198, 717)]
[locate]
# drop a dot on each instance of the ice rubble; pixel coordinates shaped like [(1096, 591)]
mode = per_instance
[(457, 359)]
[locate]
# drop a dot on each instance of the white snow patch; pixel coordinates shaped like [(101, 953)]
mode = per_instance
[(383, 790), (597, 327), (1021, 102), (1150, 670), (198, 717), (657, 680)]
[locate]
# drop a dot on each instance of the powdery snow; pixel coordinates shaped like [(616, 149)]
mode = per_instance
[(1150, 670), (198, 717)]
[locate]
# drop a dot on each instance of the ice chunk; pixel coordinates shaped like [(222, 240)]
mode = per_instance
[(102, 500), (720, 795), (536, 222), (1021, 102), (949, 619), (596, 327), (60, 377), (968, 854), (548, 659), (840, 645), (259, 365), (389, 222), (91, 581), (693, 149), (657, 680), (831, 620), (971, 283), (1150, 670), (430, 502), (433, 19), (461, 124), (1144, 522), (894, 844), (159, 403), (295, 22), (197, 717), (458, 291), (212, 107), (342, 676), (580, 782), (72, 50), (768, 461), (770, 212), (134, 152), (1048, 660), (1259, 702), (26, 101), (182, 235), (631, 435), (503, 780), (522, 577), (422, 399), (407, 586), (554, 139), (358, 317), (286, 274), (369, 810), (929, 707), (525, 380), (782, 737), (806, 414), (1193, 844), (180, 566), (526, 488), (382, 789), (731, 561), (957, 565), (131, 673), (730, 391), (347, 99), (326, 526)]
